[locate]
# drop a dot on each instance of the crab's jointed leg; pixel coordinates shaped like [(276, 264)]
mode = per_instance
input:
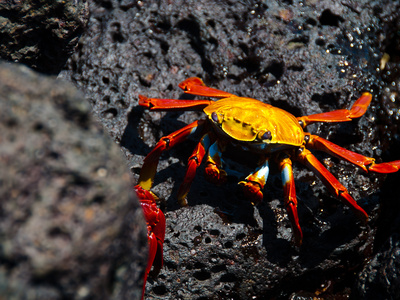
[(172, 104), (290, 199), (155, 220), (193, 163), (342, 115), (255, 182), (366, 163), (149, 167), (333, 185), (196, 86)]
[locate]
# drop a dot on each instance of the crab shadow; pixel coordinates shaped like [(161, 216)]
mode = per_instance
[(131, 139), (134, 138), (324, 235)]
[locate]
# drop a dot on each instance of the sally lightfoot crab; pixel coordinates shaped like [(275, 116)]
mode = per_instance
[(273, 134)]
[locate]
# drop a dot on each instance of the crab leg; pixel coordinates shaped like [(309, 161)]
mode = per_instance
[(290, 199), (155, 220), (366, 163), (194, 162), (255, 182), (172, 104), (196, 86), (342, 115), (149, 167), (193, 85), (333, 185)]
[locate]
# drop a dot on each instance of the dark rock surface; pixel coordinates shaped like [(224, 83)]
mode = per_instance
[(304, 57), (379, 279), (41, 34), (70, 227)]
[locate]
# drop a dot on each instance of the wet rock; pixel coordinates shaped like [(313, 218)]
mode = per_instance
[(304, 57), (70, 226), (380, 277)]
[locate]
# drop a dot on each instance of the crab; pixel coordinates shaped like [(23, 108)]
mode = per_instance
[(273, 134)]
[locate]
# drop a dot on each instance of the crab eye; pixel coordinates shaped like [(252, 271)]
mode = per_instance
[(214, 116), (266, 135)]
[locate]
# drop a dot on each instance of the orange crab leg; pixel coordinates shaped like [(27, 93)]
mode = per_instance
[(290, 199), (196, 86), (149, 167), (366, 163), (172, 104), (342, 115), (193, 85), (255, 182), (333, 185), (194, 162)]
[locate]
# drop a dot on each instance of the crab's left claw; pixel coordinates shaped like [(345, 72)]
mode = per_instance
[(254, 183), (155, 230), (252, 191)]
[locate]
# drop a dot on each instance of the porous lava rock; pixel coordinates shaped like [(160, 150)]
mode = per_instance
[(70, 225), (41, 34), (303, 56)]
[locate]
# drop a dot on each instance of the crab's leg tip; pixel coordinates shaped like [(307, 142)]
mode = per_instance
[(144, 101), (297, 236), (363, 217), (297, 242), (183, 201), (386, 167)]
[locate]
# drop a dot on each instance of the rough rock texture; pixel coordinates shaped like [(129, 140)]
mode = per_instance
[(379, 279), (305, 57), (70, 226), (41, 34)]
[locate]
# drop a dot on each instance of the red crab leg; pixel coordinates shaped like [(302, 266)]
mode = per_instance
[(155, 231), (255, 182), (333, 185), (342, 115), (366, 163), (172, 104), (194, 162), (149, 167), (290, 199), (196, 86)]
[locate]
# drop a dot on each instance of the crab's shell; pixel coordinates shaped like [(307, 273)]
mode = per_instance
[(246, 119)]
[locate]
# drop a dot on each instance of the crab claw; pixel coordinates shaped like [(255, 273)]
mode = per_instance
[(214, 174), (252, 191), (155, 230)]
